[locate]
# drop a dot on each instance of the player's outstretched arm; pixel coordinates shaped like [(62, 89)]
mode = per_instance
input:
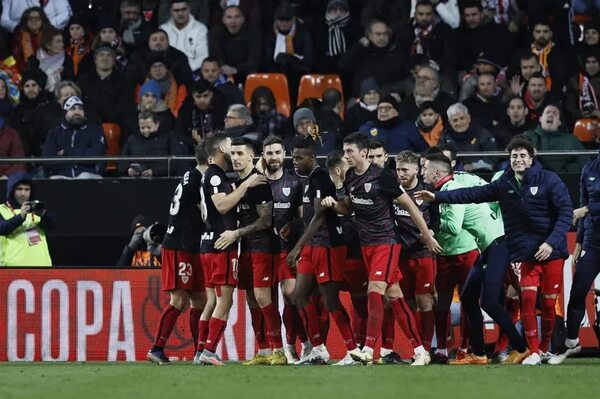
[(226, 202), (312, 228), (470, 195), (407, 203)]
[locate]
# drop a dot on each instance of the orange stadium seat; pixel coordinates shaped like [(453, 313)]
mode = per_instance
[(315, 85), (586, 130), (112, 134), (278, 84)]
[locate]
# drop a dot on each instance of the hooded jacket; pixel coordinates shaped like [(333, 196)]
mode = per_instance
[(536, 211), (588, 232), (544, 140)]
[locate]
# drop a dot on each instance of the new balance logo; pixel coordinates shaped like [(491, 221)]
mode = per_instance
[(265, 279), (427, 285), (378, 273), (322, 274)]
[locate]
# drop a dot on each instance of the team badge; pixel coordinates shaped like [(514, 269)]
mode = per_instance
[(533, 190), (367, 187), (185, 279), (215, 181), (374, 132), (286, 191), (592, 178)]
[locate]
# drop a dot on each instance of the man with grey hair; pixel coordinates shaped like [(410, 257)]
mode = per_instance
[(427, 88), (466, 136), (239, 123)]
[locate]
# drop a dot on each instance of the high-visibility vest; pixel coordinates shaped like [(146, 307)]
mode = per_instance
[(26, 245)]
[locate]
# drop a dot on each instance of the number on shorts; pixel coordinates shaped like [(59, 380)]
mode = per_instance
[(185, 269)]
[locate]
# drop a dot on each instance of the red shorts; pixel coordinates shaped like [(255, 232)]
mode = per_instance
[(222, 267), (382, 262), (258, 269), (418, 276), (284, 271), (206, 270), (547, 275), (356, 278), (325, 263), (181, 270), (453, 270)]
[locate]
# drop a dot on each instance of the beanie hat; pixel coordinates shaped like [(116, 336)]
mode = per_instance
[(36, 75), (367, 85), (150, 86), (340, 3), (302, 114), (388, 98)]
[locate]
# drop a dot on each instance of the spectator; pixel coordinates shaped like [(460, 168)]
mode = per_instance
[(235, 45), (32, 95), (134, 29), (264, 111), (202, 113), (332, 101), (107, 35), (486, 107), (388, 11), (427, 88), (252, 10), (171, 92), (551, 136), (365, 109), (583, 89), (341, 29), (429, 124), (528, 66), (239, 123), (536, 96), (150, 101), (446, 10), (57, 11), (485, 64), (7, 105), (10, 147), (387, 129), (26, 37), (477, 36), (591, 39), (211, 72), (23, 225), (305, 124), (200, 9), (514, 122), (465, 136), (288, 48), (52, 58), (186, 34), (80, 41), (374, 56), (150, 10), (106, 91), (405, 87), (424, 35), (158, 44), (145, 246), (75, 137), (151, 139)]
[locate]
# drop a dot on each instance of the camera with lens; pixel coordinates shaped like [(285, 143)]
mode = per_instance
[(154, 234), (37, 206)]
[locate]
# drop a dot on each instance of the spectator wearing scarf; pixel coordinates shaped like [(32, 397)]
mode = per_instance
[(583, 89), (27, 35), (52, 59)]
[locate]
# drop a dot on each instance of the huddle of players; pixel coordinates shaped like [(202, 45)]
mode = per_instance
[(352, 227)]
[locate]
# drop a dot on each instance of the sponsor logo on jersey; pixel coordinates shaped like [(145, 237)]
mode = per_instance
[(361, 201), (282, 205)]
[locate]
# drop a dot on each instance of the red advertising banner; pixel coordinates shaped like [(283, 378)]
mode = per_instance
[(112, 314)]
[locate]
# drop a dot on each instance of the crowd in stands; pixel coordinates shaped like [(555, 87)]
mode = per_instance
[(155, 77)]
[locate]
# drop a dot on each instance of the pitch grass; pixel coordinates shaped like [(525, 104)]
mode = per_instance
[(576, 378)]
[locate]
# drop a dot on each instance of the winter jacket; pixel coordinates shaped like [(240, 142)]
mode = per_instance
[(161, 143), (81, 141), (137, 66), (396, 138), (241, 50), (355, 117), (303, 46), (10, 146), (486, 112), (192, 40), (588, 232), (573, 92), (537, 210), (543, 140), (474, 139), (409, 110)]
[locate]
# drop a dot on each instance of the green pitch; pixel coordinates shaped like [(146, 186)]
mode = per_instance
[(576, 378)]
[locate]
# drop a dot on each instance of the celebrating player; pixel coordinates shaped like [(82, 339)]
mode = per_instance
[(180, 259), (370, 192)]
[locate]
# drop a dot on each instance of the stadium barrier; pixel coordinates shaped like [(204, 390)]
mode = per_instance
[(112, 314)]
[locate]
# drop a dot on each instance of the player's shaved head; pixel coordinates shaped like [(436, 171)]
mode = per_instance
[(439, 162)]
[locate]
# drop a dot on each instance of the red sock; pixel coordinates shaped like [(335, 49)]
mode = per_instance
[(464, 330), (529, 320), (290, 323), (216, 327), (441, 328), (308, 314), (194, 318), (387, 329), (406, 321), (202, 335), (322, 314), (273, 325), (342, 320), (359, 318), (168, 318), (375, 320), (427, 326), (548, 320), (258, 325)]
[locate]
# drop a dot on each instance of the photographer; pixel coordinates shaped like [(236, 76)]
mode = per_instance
[(145, 245), (23, 221)]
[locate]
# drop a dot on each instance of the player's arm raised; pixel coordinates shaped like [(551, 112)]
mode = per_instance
[(407, 203), (313, 226), (226, 202)]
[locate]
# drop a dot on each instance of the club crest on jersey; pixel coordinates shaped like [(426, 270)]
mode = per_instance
[(286, 191), (367, 187), (533, 190)]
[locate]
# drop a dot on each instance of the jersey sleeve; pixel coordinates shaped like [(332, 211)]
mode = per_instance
[(389, 184), (216, 183), (322, 186), (260, 194)]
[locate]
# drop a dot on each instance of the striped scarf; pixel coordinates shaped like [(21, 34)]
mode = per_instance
[(421, 35), (337, 39), (543, 56), (588, 101)]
